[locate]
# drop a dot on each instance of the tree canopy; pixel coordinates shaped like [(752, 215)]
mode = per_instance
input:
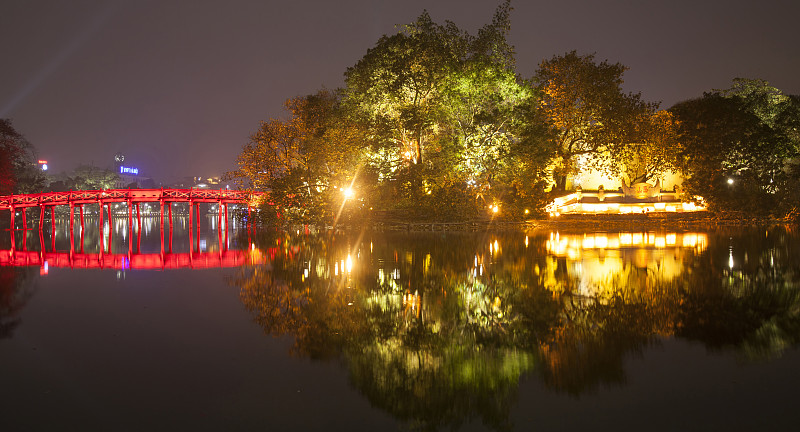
[(736, 146), (435, 123), (19, 172), (594, 122)]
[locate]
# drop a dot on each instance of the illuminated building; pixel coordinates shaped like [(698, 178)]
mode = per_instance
[(593, 192)]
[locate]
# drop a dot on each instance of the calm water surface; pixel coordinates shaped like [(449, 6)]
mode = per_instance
[(650, 330)]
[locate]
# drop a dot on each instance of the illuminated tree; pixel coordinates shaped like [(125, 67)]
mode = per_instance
[(300, 160), (442, 110), (584, 103), (651, 152)]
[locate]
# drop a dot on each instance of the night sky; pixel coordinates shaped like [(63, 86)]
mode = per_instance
[(178, 86)]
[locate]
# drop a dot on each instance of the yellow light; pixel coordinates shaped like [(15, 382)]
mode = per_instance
[(349, 263), (495, 209), (348, 193)]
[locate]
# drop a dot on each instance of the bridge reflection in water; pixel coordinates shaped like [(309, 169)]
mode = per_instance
[(90, 240)]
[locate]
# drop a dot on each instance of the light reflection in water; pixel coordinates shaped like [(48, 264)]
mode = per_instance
[(430, 321), (599, 261)]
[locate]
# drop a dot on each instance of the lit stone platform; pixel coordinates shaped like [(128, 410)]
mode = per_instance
[(601, 202)]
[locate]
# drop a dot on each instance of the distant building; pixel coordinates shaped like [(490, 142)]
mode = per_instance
[(201, 183), (129, 175)]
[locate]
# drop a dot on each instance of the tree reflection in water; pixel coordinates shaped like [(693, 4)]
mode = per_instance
[(438, 329), (16, 288)]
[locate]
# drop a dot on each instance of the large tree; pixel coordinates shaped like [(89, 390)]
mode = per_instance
[(736, 146), (589, 113), (441, 109), (19, 172), (301, 160)]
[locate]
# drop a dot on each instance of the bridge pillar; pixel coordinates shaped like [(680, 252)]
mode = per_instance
[(71, 226), (53, 228), (171, 224), (130, 226), (191, 240), (100, 223)]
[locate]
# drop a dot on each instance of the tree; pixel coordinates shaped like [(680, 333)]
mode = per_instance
[(300, 160), (736, 146), (19, 172), (441, 110), (652, 152), (90, 177), (584, 103)]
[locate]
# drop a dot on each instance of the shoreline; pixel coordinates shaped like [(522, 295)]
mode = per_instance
[(604, 222)]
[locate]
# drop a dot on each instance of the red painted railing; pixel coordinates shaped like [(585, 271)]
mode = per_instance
[(224, 196)]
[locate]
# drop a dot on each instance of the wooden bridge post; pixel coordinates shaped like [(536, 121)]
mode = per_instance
[(139, 217), (11, 229), (80, 237), (53, 228), (161, 213), (100, 224), (191, 218), (130, 225), (24, 229), (41, 245), (219, 224), (71, 227), (110, 228), (171, 224)]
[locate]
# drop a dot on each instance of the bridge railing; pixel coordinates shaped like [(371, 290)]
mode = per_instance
[(124, 195)]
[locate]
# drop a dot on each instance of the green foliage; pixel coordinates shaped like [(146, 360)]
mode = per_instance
[(737, 145), (593, 122), (441, 110), (89, 177)]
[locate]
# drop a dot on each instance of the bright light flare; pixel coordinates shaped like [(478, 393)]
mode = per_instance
[(348, 192)]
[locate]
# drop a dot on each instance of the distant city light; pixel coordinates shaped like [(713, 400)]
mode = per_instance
[(128, 170), (730, 181), (44, 167)]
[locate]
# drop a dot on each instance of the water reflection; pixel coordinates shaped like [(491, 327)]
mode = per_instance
[(439, 329)]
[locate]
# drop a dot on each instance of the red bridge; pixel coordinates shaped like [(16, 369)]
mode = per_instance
[(130, 196), (133, 197)]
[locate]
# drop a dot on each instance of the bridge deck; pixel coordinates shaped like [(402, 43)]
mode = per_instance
[(224, 196)]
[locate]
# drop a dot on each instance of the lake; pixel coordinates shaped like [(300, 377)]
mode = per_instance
[(549, 330)]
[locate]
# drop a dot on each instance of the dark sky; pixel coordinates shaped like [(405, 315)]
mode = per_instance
[(178, 86)]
